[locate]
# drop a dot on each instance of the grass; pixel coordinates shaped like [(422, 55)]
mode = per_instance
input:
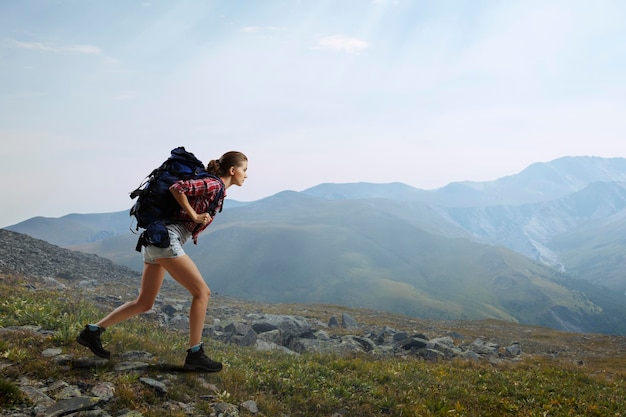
[(305, 385)]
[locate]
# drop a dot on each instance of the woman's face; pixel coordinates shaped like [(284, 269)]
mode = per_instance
[(239, 174)]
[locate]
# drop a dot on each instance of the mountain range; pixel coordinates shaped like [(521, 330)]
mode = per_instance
[(544, 246)]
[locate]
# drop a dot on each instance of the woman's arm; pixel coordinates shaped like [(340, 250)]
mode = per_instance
[(183, 201)]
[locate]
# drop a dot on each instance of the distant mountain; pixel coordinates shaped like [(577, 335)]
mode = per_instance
[(533, 229), (537, 247), (75, 229), (594, 251), (538, 183)]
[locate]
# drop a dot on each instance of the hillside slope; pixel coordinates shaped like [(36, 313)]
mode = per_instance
[(396, 248), (405, 271)]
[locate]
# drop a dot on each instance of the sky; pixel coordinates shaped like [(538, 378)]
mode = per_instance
[(95, 94)]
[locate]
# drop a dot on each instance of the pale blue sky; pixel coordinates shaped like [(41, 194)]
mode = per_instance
[(94, 94)]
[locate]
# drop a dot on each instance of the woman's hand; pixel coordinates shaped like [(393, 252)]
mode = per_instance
[(183, 201), (203, 218)]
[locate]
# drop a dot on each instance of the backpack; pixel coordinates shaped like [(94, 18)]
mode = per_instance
[(155, 206)]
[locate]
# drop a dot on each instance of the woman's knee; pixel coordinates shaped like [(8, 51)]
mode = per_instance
[(143, 306), (202, 293), (206, 292)]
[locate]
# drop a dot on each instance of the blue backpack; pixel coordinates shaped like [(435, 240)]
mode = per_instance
[(155, 206)]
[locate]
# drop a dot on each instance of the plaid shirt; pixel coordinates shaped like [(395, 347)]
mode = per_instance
[(201, 194)]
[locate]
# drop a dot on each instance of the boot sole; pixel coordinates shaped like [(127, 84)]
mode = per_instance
[(94, 351), (200, 368)]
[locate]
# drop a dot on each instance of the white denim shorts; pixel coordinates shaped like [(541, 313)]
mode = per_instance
[(178, 236)]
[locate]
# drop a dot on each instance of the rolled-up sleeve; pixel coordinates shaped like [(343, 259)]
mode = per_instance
[(196, 187), (201, 194)]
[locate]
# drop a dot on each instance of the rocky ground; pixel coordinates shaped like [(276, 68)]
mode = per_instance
[(291, 328), (295, 329)]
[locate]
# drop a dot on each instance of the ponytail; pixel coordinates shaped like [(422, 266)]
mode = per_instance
[(221, 166)]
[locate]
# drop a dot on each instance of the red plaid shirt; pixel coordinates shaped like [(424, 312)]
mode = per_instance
[(201, 194)]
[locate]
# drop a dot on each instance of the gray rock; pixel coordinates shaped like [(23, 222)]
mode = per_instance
[(131, 366), (366, 344), (347, 345), (513, 351), (348, 322), (413, 343), (274, 336), (104, 391), (137, 355), (168, 309), (264, 346), (482, 347), (69, 391), (48, 353), (321, 335), (251, 406), (63, 360), (179, 321), (431, 355), (225, 410), (36, 396), (313, 345), (159, 387), (290, 326), (263, 327), (241, 334), (72, 405)]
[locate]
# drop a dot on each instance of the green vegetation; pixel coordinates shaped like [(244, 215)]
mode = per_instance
[(305, 385), (9, 394)]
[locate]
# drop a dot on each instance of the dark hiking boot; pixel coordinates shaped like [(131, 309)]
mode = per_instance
[(91, 339), (198, 361)]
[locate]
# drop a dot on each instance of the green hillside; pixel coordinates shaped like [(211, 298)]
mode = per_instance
[(394, 248), (374, 254), (595, 252)]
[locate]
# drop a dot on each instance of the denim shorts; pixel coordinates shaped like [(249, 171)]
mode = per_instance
[(178, 235)]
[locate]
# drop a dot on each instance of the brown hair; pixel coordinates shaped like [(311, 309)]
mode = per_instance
[(221, 166)]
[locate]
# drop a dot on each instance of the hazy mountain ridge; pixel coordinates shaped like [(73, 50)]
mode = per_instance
[(529, 228), (539, 182), (464, 280), (396, 248)]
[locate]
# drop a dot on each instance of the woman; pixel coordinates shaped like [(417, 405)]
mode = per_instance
[(194, 197)]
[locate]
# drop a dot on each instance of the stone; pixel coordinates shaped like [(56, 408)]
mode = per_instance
[(130, 366), (104, 391), (159, 387), (348, 322), (225, 410), (48, 353), (72, 405), (251, 406)]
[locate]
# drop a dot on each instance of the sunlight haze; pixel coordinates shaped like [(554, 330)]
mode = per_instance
[(94, 95)]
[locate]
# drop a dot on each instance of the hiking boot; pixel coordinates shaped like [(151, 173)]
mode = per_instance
[(91, 339), (198, 361)]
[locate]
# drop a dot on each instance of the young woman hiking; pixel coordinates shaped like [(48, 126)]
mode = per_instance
[(194, 197)]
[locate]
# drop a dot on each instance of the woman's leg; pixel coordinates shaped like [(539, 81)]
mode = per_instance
[(151, 281), (185, 272)]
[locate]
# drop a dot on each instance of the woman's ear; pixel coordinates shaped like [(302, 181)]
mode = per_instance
[(231, 170)]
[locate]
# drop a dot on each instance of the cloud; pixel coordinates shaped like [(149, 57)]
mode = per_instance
[(80, 49), (342, 43)]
